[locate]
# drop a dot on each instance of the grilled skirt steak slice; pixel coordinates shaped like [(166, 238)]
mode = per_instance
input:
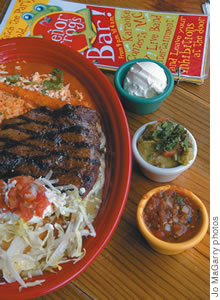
[(65, 141)]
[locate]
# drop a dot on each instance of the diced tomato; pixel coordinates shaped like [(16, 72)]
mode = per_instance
[(159, 234), (26, 211), (23, 187), (179, 229), (13, 202), (42, 201), (169, 153), (158, 124), (25, 197), (162, 119)]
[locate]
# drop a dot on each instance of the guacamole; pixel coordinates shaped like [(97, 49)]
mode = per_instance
[(165, 144)]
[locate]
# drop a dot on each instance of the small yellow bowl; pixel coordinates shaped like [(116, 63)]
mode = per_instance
[(170, 248)]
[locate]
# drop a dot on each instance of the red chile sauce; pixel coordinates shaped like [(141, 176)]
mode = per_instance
[(26, 68), (172, 216)]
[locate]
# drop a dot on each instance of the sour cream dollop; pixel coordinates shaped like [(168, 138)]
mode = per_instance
[(145, 79)]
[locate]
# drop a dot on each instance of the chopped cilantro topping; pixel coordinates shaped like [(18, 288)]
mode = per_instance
[(12, 78), (169, 136), (55, 83)]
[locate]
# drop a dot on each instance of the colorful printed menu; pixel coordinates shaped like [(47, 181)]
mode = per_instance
[(110, 36)]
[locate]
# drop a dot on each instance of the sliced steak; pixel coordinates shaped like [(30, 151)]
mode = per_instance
[(65, 141)]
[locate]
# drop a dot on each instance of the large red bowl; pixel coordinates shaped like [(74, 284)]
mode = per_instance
[(118, 155)]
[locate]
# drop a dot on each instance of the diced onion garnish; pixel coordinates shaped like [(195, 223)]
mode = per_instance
[(167, 227)]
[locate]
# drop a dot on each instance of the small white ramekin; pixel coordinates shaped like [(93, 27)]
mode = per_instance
[(155, 173)]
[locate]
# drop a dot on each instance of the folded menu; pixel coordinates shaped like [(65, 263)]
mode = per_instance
[(110, 36)]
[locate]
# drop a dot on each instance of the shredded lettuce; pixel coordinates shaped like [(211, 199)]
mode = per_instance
[(44, 244)]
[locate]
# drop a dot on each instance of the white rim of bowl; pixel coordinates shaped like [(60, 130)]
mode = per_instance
[(152, 168)]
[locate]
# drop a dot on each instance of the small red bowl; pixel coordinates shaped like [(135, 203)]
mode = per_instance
[(118, 154)]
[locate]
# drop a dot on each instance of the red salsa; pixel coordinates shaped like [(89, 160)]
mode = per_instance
[(24, 196), (172, 216)]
